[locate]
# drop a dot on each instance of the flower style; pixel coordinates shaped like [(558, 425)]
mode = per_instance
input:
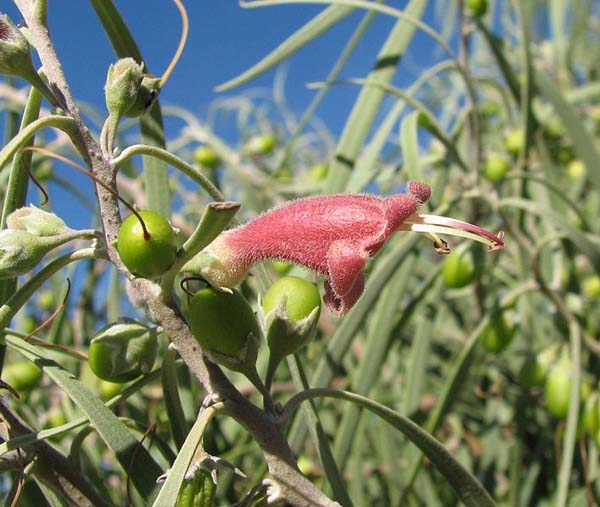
[(332, 235)]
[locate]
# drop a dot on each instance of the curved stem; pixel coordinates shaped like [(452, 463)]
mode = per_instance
[(18, 300), (175, 161), (64, 123)]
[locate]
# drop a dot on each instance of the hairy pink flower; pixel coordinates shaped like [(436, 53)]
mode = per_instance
[(332, 235)]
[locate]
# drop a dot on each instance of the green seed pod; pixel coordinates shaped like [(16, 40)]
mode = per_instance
[(291, 309), (22, 375), (199, 491), (205, 156), (123, 351), (123, 82), (147, 93), (147, 257), (260, 145), (497, 335), (37, 222), (226, 328)]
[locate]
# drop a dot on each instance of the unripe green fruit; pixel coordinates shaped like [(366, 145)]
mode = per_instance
[(206, 157), (477, 8), (591, 286), (459, 269), (497, 335), (150, 257), (281, 267), (495, 168), (221, 322), (591, 414), (122, 351), (300, 297), (576, 170), (260, 145), (514, 141), (557, 390), (533, 372), (318, 172), (22, 375), (108, 389)]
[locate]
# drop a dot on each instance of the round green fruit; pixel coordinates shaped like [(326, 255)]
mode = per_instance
[(221, 322), (533, 372), (300, 297), (22, 375), (497, 335), (122, 351), (591, 414), (514, 141), (147, 257), (557, 389), (318, 172), (477, 8), (260, 145), (205, 156), (281, 267), (108, 389), (576, 170), (459, 269), (591, 286), (495, 168)]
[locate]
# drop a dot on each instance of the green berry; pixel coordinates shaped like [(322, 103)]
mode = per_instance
[(497, 335), (459, 269), (495, 168), (318, 172), (123, 351), (260, 145), (147, 257), (576, 170), (221, 322), (108, 389), (477, 8), (557, 389), (22, 375), (591, 286), (514, 141), (300, 297), (205, 156), (533, 372)]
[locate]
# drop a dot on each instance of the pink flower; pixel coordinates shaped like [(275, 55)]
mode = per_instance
[(332, 235)]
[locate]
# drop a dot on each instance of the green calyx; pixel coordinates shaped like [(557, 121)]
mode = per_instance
[(37, 222), (122, 351), (147, 256), (198, 491), (148, 92), (226, 328), (123, 84), (15, 51)]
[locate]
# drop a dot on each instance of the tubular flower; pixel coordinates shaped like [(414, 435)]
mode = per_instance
[(332, 235)]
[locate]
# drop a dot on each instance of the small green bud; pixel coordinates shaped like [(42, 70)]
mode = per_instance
[(37, 222), (15, 51), (123, 351), (495, 168), (147, 93), (199, 491), (123, 84), (291, 310), (514, 140), (477, 8), (20, 252), (226, 328)]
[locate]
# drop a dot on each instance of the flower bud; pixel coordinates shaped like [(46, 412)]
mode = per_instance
[(123, 83), (21, 251), (15, 51), (122, 351), (225, 327), (292, 307), (147, 93), (36, 221)]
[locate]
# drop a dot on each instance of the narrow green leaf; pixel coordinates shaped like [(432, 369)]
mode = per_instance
[(172, 400), (467, 487), (582, 141), (133, 457), (307, 33), (409, 144)]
